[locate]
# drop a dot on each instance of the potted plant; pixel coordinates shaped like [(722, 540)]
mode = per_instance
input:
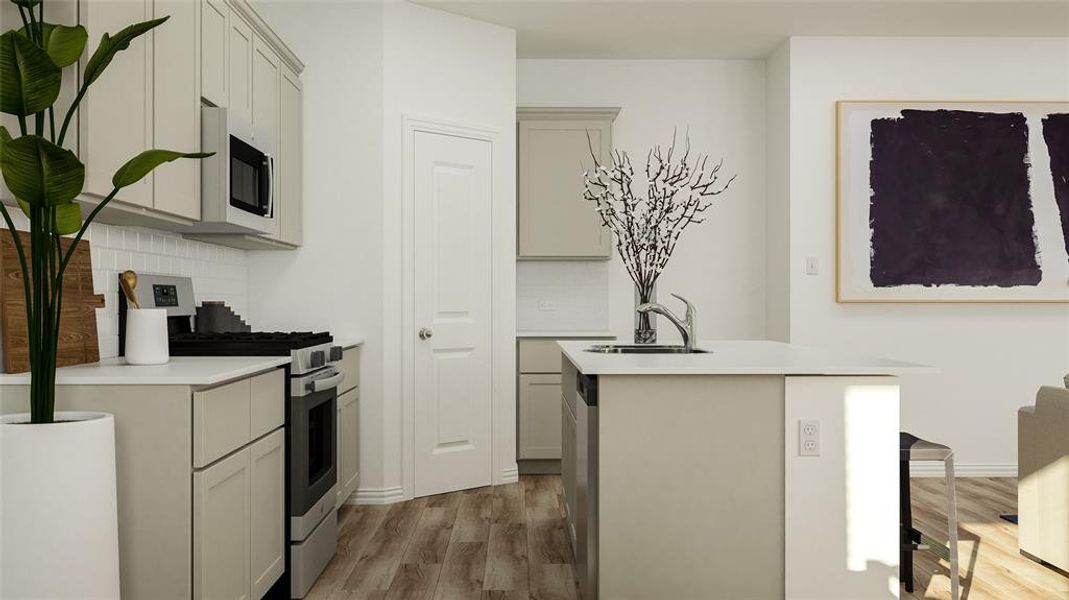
[(679, 189), (58, 523)]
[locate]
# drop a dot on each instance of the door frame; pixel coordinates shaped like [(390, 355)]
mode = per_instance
[(503, 467)]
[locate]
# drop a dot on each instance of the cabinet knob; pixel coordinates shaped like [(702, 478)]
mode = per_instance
[(425, 333)]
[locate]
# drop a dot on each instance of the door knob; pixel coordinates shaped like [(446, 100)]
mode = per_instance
[(425, 334)]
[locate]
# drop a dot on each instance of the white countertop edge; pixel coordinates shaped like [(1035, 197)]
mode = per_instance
[(193, 371), (742, 357), (565, 333), (348, 343)]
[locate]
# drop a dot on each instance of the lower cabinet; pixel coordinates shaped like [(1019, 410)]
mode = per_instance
[(540, 427), (348, 444), (221, 509), (239, 522), (268, 514)]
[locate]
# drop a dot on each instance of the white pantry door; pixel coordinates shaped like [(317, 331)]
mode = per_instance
[(452, 268)]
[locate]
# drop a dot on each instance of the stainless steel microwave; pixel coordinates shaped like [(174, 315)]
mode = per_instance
[(238, 182)]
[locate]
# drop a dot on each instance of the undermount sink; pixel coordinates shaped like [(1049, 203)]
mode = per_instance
[(643, 349)]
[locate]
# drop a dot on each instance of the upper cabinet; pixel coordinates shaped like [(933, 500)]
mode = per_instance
[(239, 71), (555, 146), (249, 70), (290, 156), (176, 107), (265, 86), (208, 53), (214, 31), (116, 115)]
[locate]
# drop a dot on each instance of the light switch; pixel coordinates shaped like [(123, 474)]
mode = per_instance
[(547, 306), (812, 265)]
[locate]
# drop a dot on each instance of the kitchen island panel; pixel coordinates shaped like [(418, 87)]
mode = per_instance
[(691, 486)]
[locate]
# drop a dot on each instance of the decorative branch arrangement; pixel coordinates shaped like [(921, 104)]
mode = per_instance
[(45, 178), (679, 190)]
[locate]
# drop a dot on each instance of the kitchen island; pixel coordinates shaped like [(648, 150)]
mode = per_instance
[(753, 469)]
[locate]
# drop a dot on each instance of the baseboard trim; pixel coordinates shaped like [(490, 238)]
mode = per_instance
[(388, 495), (935, 469), (510, 474)]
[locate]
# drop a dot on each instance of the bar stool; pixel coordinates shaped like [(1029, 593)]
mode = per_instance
[(912, 448)]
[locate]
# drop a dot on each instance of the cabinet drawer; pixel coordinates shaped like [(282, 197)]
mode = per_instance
[(268, 402), (221, 421), (350, 365), (539, 356)]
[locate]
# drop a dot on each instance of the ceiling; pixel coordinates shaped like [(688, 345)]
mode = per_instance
[(671, 29)]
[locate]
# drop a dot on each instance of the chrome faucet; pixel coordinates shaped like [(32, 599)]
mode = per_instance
[(685, 325)]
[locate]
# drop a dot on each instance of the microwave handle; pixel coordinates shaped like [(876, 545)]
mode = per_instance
[(270, 185)]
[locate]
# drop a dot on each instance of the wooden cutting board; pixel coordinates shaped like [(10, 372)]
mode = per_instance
[(77, 324)]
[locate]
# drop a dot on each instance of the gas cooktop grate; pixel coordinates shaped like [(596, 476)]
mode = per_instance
[(255, 343)]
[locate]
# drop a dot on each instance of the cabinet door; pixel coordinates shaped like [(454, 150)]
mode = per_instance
[(265, 76), (221, 507), (267, 540), (176, 107), (567, 466), (348, 444), (290, 159), (213, 36), (116, 115), (554, 219), (239, 74), (540, 426)]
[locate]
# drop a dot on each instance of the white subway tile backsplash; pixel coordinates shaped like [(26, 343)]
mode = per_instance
[(562, 295), (218, 273)]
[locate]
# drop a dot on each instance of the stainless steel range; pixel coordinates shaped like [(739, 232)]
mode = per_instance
[(311, 405)]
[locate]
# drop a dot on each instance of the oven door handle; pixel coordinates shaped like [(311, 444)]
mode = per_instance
[(326, 383)]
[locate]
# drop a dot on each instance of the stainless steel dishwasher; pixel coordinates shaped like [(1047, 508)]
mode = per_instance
[(586, 485)]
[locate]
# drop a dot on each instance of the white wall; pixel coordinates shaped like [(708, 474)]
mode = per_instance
[(368, 65), (451, 69), (334, 282), (778, 194), (720, 264), (992, 357)]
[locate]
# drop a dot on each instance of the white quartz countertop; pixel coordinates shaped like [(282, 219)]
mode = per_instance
[(182, 370), (565, 333), (347, 343), (737, 358)]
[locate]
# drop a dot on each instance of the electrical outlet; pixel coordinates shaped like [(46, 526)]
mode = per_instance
[(808, 438), (547, 306)]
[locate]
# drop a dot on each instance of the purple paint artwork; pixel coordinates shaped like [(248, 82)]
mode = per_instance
[(950, 200), (1056, 134)]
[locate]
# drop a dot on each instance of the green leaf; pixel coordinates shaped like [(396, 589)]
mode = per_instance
[(29, 80), (40, 172), (24, 206), (143, 164), (68, 218), (64, 45), (110, 46)]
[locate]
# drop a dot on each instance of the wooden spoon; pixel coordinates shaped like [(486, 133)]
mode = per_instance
[(128, 282)]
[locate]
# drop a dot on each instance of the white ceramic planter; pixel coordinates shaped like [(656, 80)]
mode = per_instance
[(146, 336), (58, 515)]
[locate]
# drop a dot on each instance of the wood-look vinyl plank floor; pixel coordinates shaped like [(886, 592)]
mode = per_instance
[(509, 543), (992, 568)]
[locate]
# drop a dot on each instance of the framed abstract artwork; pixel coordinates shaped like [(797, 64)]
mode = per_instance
[(952, 201)]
